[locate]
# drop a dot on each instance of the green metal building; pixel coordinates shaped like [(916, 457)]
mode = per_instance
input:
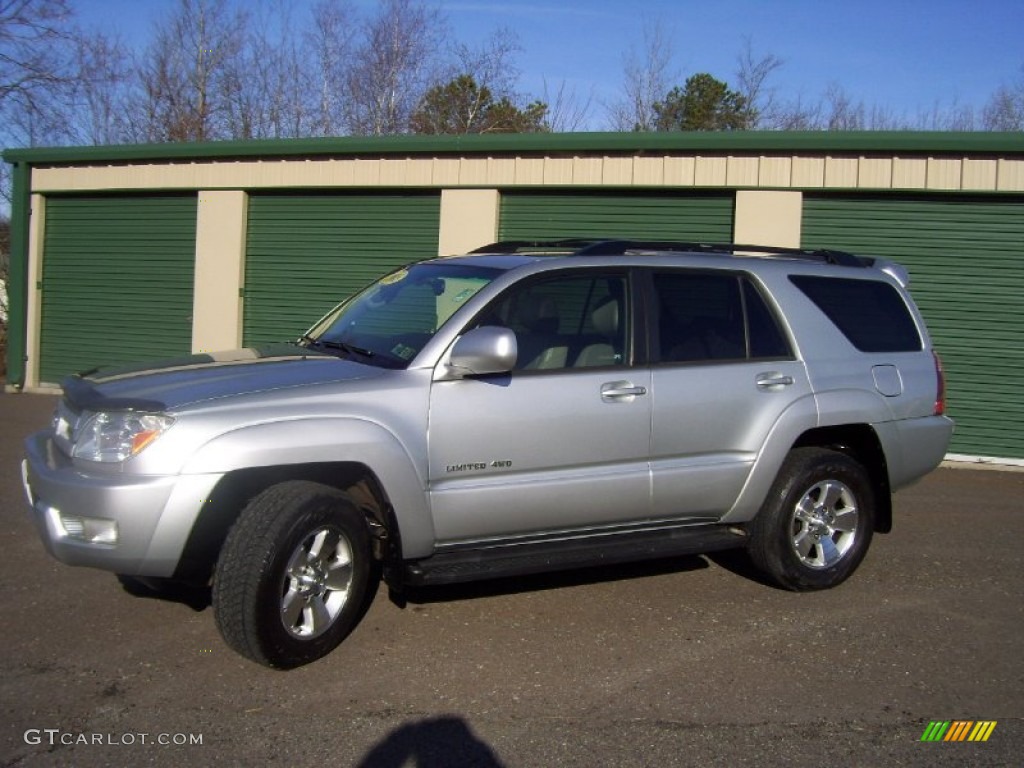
[(133, 252)]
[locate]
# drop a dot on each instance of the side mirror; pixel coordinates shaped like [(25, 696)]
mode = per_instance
[(482, 351)]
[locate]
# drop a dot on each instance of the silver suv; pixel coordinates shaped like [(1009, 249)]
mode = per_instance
[(528, 407)]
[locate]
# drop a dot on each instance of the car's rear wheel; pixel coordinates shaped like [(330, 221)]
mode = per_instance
[(295, 574), (815, 526)]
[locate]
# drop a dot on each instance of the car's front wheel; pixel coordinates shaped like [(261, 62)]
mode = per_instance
[(294, 575), (815, 526)]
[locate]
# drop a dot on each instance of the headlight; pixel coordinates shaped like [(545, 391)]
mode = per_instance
[(118, 435)]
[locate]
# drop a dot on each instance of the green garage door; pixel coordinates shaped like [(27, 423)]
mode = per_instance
[(117, 281), (305, 253), (647, 216), (966, 261)]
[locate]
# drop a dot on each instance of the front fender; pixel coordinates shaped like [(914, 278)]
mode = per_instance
[(399, 468)]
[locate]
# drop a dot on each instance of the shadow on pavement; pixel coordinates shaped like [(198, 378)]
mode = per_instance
[(432, 743), (197, 598)]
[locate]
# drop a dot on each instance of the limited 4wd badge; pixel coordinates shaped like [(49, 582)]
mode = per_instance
[(475, 466)]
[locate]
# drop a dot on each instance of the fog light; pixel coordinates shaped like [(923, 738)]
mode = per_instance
[(94, 530)]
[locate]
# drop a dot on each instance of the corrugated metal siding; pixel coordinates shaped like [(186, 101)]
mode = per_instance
[(117, 280), (664, 216), (966, 259), (305, 253)]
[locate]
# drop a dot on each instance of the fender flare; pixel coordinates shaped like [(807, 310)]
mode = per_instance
[(399, 469)]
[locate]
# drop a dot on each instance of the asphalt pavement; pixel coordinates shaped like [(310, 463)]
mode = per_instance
[(690, 661)]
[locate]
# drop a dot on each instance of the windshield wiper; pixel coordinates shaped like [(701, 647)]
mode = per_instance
[(344, 346)]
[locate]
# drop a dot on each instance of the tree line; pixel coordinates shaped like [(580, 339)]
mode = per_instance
[(275, 69), (218, 70)]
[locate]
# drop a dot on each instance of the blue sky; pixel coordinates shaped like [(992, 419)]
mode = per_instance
[(906, 56)]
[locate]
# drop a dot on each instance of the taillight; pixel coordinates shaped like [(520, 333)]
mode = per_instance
[(940, 393)]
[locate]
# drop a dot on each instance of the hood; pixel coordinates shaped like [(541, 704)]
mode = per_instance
[(172, 384)]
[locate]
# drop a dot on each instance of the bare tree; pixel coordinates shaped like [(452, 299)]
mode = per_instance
[(182, 73), (566, 111), (395, 65), (752, 76), (35, 69), (268, 87), (1005, 109), (31, 33), (100, 93), (647, 74), (491, 64), (331, 40), (797, 115)]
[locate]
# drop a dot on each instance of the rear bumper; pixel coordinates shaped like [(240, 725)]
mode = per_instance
[(144, 520), (921, 445)]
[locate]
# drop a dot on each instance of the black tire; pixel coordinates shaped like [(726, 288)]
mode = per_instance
[(815, 526), (295, 575)]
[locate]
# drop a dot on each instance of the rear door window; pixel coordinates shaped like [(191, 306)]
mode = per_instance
[(708, 316)]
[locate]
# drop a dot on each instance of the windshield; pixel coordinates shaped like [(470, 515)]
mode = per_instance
[(391, 321)]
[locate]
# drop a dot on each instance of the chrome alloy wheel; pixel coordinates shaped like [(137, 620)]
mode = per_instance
[(824, 524), (316, 583)]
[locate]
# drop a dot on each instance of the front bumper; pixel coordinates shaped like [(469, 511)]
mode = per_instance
[(151, 514)]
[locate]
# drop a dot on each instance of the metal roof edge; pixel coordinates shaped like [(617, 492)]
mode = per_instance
[(814, 142)]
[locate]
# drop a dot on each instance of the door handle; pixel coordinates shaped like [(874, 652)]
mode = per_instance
[(616, 390), (772, 380)]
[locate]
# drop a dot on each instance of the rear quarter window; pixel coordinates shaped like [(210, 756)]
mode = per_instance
[(870, 313)]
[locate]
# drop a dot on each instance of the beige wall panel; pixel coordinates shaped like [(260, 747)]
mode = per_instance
[(649, 171), (394, 172), (944, 173), (1010, 176), (809, 172), (679, 171), (529, 170), (473, 170), (587, 170), (367, 172), (742, 171), (875, 173), (284, 174), (558, 170), (469, 219), (979, 174), (768, 217), (909, 173), (220, 255), (333, 172), (617, 170), (420, 172), (446, 171), (841, 171), (775, 172), (501, 170), (710, 171), (34, 308), (211, 175), (801, 172)]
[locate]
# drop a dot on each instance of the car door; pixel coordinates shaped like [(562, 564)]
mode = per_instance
[(559, 444), (723, 372)]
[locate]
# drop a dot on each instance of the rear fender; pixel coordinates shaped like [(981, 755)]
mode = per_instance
[(801, 416)]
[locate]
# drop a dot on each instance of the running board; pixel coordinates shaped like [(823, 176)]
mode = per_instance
[(499, 561)]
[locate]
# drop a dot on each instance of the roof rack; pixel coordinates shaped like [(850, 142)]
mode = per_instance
[(520, 246), (608, 247)]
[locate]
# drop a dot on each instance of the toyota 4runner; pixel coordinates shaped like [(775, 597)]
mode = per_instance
[(530, 406)]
